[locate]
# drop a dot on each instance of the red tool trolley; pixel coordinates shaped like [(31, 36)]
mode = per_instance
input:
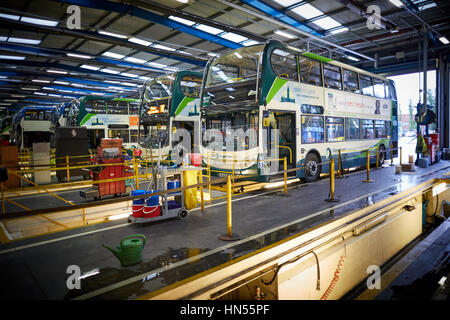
[(108, 153)]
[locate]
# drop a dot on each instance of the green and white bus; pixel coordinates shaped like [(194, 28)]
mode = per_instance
[(106, 117), (317, 105), (169, 103)]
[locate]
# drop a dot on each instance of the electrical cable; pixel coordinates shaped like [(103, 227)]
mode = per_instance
[(294, 260), (336, 274)]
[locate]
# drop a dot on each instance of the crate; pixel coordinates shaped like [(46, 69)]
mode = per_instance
[(408, 167)]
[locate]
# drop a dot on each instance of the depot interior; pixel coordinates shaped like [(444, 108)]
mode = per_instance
[(338, 188)]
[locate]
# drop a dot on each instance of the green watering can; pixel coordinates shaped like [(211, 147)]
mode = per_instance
[(130, 251)]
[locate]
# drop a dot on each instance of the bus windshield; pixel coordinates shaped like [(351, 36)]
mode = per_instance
[(159, 88), (155, 134), (233, 76)]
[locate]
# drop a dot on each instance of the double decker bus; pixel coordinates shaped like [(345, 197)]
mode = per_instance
[(317, 106), (170, 103), (31, 125), (106, 117)]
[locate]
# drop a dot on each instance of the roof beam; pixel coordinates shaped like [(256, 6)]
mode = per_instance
[(150, 16)]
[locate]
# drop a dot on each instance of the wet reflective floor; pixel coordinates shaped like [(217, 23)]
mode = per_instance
[(178, 249)]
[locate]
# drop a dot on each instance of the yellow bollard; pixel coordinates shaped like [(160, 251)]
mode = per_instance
[(84, 216), (209, 177), (3, 202), (229, 236), (146, 163), (331, 198), (200, 178), (285, 176), (368, 167), (68, 171), (233, 171)]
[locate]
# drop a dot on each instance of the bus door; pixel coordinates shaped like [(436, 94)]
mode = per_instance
[(190, 127), (285, 123), (95, 137)]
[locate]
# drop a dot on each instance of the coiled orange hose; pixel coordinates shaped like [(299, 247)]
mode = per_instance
[(335, 278)]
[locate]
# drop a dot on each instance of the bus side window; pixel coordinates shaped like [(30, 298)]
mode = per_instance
[(352, 129), (312, 129), (332, 76), (284, 64), (351, 81), (379, 88), (365, 83), (368, 131), (310, 71)]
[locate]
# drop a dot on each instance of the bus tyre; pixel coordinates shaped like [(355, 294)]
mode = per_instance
[(182, 213), (382, 155), (312, 170)]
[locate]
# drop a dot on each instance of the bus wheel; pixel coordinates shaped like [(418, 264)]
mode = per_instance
[(382, 155), (312, 170)]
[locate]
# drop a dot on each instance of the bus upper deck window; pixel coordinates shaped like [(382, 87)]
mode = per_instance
[(332, 76), (378, 86), (351, 81), (284, 64), (310, 71), (365, 83)]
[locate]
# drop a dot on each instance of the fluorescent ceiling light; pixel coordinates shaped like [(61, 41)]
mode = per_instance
[(11, 57), (5, 104), (11, 100), (40, 81), (181, 20), (109, 71), (159, 46), (25, 41), (113, 55), (9, 16), (47, 88), (56, 71), (327, 23), (54, 95), (427, 6), (212, 54), (42, 22), (183, 1), (352, 58), (158, 65), (307, 11), (17, 96), (145, 78), (111, 81), (398, 3), (112, 34), (250, 43), (184, 52), (233, 37), (170, 69), (140, 41), (24, 88), (208, 29), (343, 29), (81, 56), (40, 93), (135, 60), (281, 52), (285, 34), (443, 40), (128, 84), (88, 66), (131, 75), (61, 82)]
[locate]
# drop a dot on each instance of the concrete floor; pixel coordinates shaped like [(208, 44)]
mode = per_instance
[(36, 268)]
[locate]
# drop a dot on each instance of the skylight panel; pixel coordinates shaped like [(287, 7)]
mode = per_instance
[(81, 56), (113, 55), (233, 37), (286, 3), (327, 23), (285, 34), (181, 20), (209, 29), (307, 11), (157, 65), (140, 41), (42, 22), (3, 38)]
